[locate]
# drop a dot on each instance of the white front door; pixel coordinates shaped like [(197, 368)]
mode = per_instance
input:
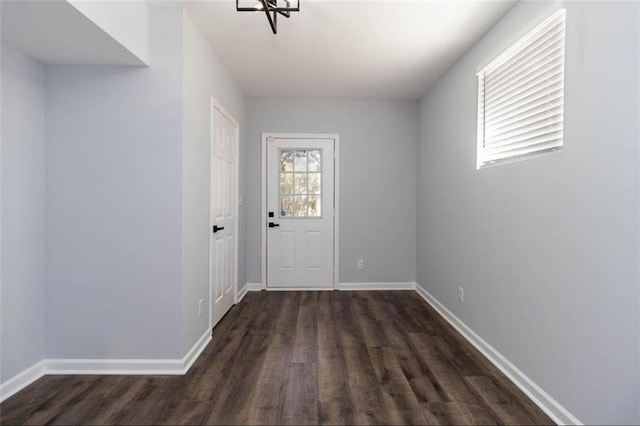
[(300, 212), (223, 213)]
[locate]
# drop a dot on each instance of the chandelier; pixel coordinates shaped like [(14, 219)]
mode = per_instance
[(271, 8)]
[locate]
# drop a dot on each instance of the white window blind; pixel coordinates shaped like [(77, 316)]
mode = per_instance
[(521, 96)]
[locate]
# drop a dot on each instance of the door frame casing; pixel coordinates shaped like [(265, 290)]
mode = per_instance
[(213, 105), (336, 202)]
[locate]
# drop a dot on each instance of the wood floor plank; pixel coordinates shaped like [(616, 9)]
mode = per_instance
[(361, 382), (301, 398), (425, 346), (422, 319), (184, 412), (325, 305), (456, 388), (334, 406), (216, 366), (90, 411), (395, 327), (397, 394), (335, 412), (304, 341), (330, 364), (503, 408), (142, 412), (62, 401), (445, 413), (477, 414), (514, 395), (458, 356), (266, 406), (422, 381), (237, 391), (301, 358), (365, 318)]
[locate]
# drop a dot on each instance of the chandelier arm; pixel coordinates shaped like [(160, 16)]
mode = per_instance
[(273, 22)]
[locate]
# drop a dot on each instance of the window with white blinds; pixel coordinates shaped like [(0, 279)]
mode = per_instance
[(521, 96)]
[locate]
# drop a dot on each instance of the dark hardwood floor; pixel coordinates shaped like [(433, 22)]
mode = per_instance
[(301, 358)]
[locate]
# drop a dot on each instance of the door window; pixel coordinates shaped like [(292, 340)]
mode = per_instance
[(300, 177)]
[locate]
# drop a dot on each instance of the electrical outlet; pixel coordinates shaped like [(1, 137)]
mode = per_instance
[(461, 294), (200, 307), (360, 264)]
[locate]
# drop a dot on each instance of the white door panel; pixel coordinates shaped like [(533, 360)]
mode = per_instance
[(224, 221), (300, 206)]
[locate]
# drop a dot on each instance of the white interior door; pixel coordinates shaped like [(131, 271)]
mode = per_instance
[(223, 268), (300, 213)]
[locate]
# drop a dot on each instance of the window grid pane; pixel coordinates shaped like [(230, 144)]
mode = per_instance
[(300, 178)]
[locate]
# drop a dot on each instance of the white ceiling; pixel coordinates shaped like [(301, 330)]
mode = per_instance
[(55, 32), (356, 49)]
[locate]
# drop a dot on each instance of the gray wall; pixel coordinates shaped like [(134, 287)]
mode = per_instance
[(114, 204), (22, 224), (546, 249), (204, 77), (377, 180), (128, 197)]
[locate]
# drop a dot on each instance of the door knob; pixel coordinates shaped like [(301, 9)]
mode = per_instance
[(273, 225), (217, 228)]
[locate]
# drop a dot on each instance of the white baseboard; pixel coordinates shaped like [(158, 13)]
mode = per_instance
[(299, 289), (113, 366), (377, 286), (104, 367), (195, 351), (550, 406), (254, 287), (242, 293), (341, 287), (129, 366), (21, 380)]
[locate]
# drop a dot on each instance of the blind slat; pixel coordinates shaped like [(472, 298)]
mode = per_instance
[(527, 112), (540, 93), (531, 88), (548, 64), (505, 135), (529, 51), (538, 57), (545, 31), (521, 136), (523, 153), (550, 142)]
